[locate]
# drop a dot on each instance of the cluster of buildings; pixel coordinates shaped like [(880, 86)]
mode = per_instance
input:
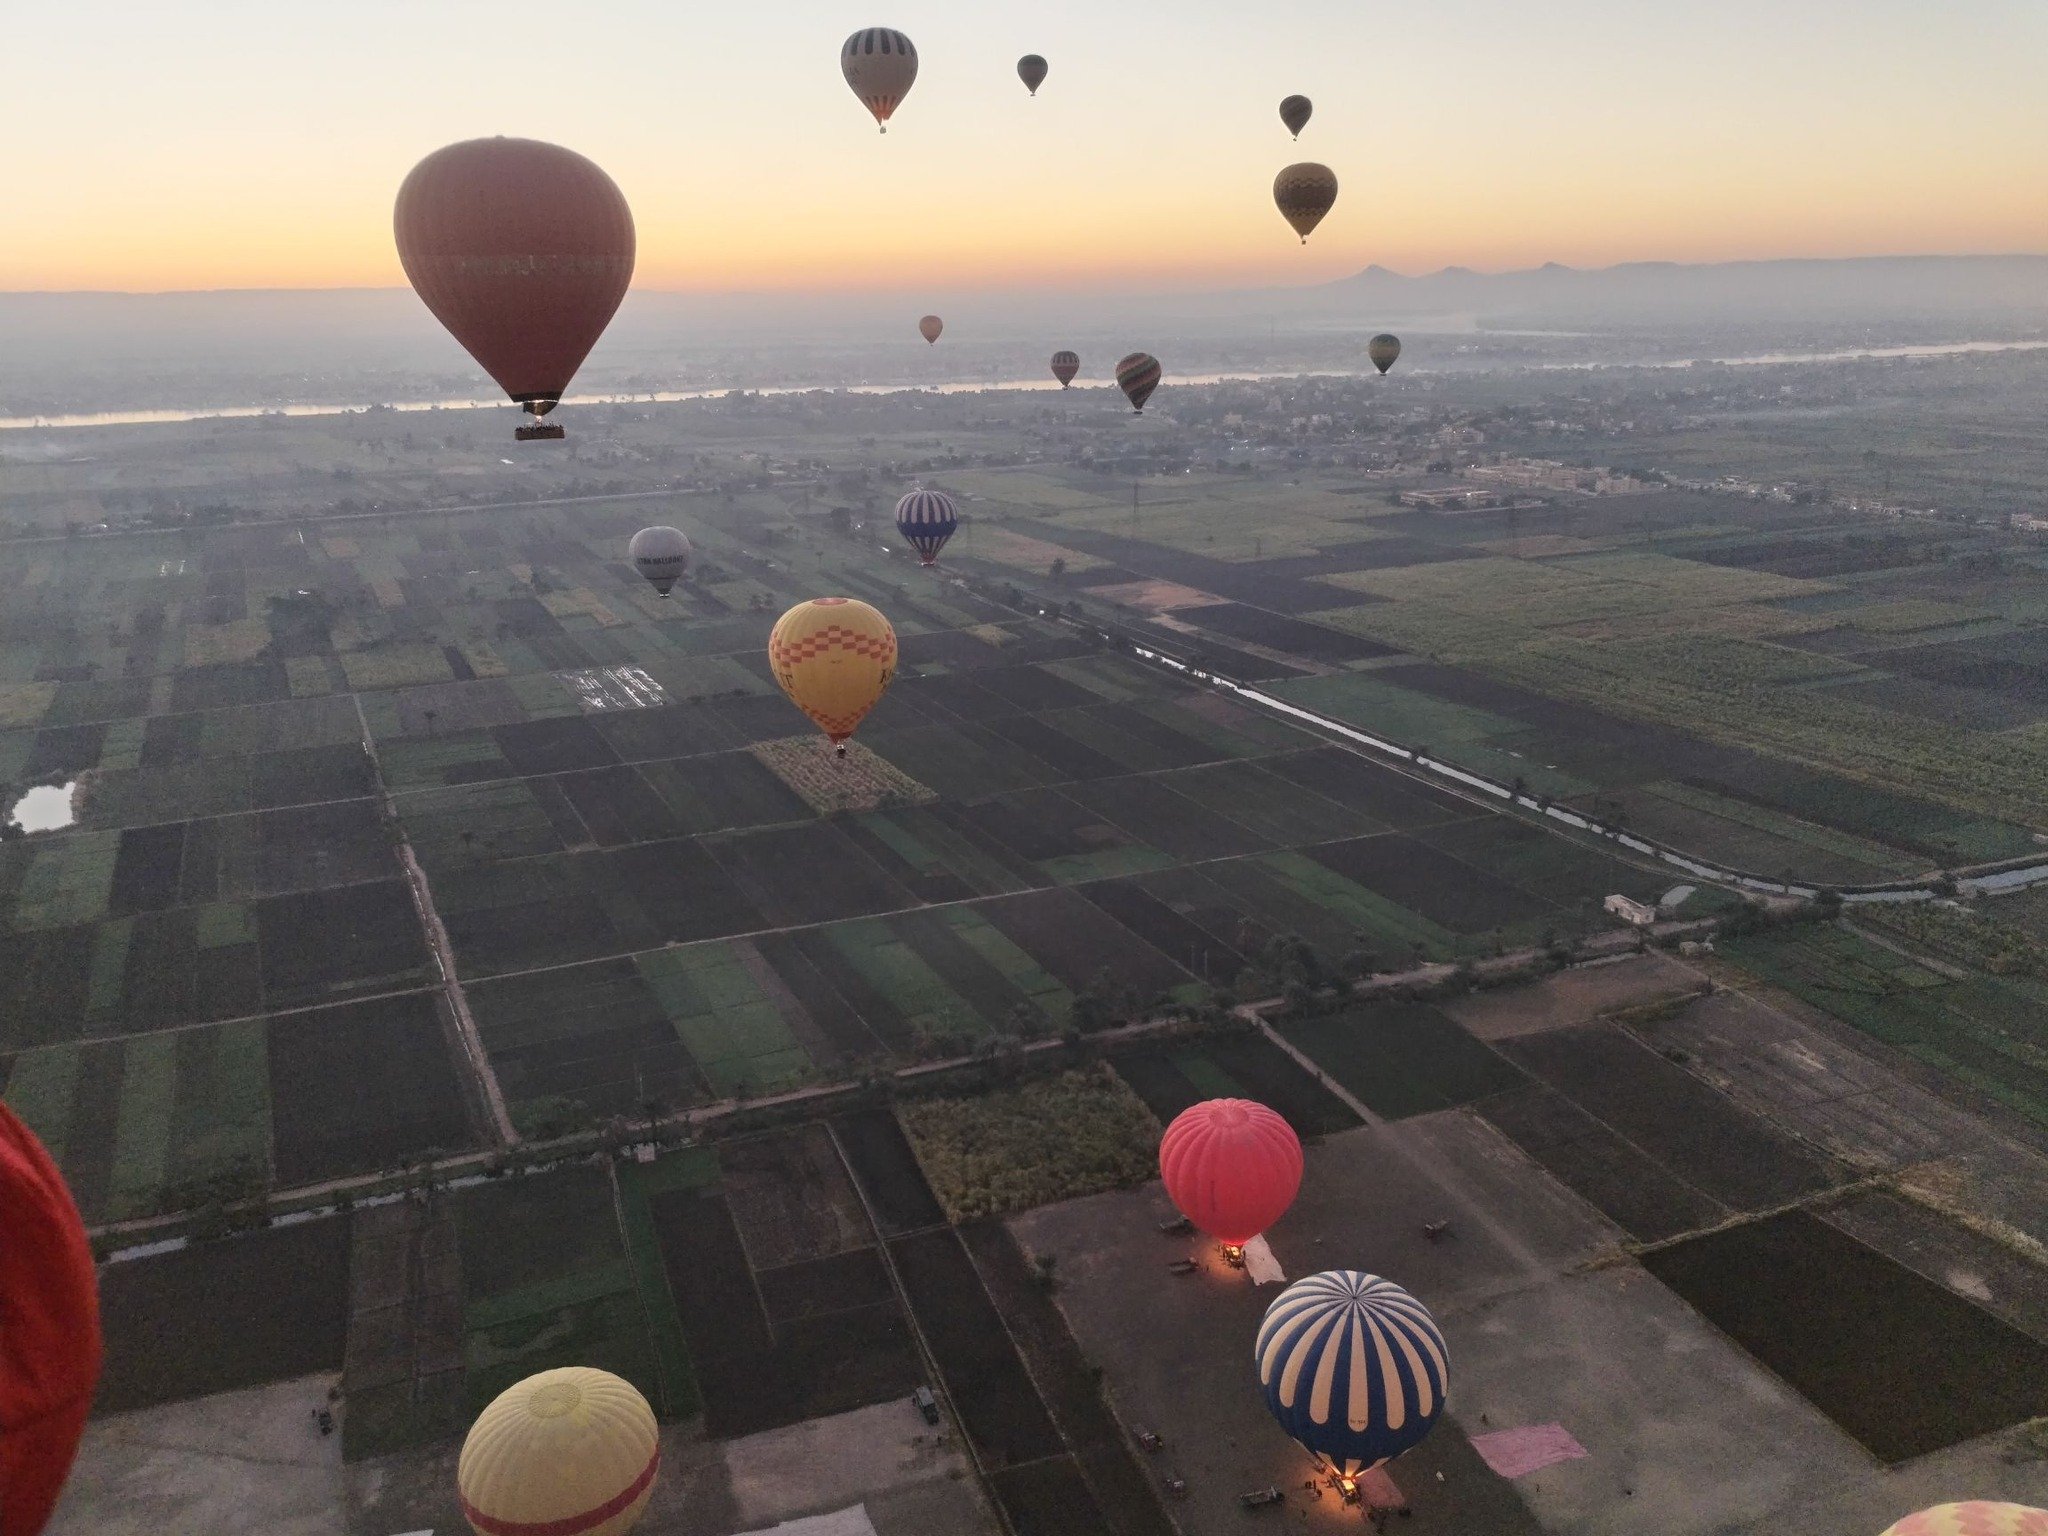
[(1555, 475)]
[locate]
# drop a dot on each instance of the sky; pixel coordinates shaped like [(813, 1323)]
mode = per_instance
[(237, 144)]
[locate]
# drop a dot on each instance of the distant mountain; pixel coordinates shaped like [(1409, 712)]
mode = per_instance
[(1879, 286)]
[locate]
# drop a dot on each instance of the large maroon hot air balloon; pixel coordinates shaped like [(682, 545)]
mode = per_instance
[(523, 250), (1232, 1166), (49, 1330)]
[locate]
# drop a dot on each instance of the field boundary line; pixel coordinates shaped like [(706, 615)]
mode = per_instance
[(1072, 1450), (924, 1348), (1815, 1201), (1946, 968), (482, 1078), (611, 1172)]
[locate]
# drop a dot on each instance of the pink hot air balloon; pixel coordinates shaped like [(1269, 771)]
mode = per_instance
[(1232, 1166), (1974, 1518)]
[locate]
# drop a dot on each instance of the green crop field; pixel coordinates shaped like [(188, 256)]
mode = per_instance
[(726, 1017), (691, 1168), (1990, 1031), (547, 1281), (140, 1120)]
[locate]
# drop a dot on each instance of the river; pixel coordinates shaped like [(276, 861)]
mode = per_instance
[(955, 387), (652, 397)]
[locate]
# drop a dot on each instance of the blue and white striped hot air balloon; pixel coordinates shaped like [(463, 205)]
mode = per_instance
[(1353, 1367), (927, 519)]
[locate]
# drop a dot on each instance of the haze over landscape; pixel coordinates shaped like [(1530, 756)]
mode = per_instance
[(720, 824)]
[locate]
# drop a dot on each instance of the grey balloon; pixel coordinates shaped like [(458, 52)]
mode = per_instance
[(661, 555)]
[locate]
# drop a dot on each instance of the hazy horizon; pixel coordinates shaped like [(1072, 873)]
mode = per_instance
[(1107, 286)]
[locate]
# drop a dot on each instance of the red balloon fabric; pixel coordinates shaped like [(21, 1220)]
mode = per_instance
[(1232, 1166), (49, 1330), (523, 250)]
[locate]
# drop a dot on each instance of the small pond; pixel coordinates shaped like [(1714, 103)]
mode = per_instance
[(45, 808)]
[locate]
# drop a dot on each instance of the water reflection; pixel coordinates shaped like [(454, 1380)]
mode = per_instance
[(46, 808)]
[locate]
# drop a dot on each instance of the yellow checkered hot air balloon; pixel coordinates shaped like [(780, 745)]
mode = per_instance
[(572, 1452), (1978, 1517), (833, 657)]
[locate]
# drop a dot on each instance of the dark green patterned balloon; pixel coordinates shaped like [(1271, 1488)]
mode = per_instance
[(1137, 376)]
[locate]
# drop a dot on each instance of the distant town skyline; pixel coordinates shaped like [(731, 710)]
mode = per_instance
[(245, 145)]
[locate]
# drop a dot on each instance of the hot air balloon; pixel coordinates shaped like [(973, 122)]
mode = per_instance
[(1974, 1518), (927, 519), (574, 1449), (834, 656), (930, 326), (1383, 349), (1353, 1367), (49, 1330), (1294, 112), (881, 66), (661, 555), (1304, 193), (1031, 70), (1232, 1166), (523, 250), (1137, 376), (1064, 366)]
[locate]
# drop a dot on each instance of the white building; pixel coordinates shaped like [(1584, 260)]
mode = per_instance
[(1630, 910)]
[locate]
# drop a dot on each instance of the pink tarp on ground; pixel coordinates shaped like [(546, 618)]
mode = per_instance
[(1518, 1452)]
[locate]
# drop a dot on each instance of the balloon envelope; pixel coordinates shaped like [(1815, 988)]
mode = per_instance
[(523, 250), (1383, 349), (880, 66), (1353, 1367), (574, 1449), (1974, 1518), (1304, 193), (833, 656), (927, 519), (1064, 366), (49, 1330), (1031, 69), (930, 326), (1232, 1166), (661, 555), (1294, 112), (1137, 376)]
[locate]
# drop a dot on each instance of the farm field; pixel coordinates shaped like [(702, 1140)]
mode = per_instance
[(654, 890), (1985, 1029), (1044, 1140), (1840, 1321), (291, 1285), (1685, 651), (1402, 1059), (410, 824)]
